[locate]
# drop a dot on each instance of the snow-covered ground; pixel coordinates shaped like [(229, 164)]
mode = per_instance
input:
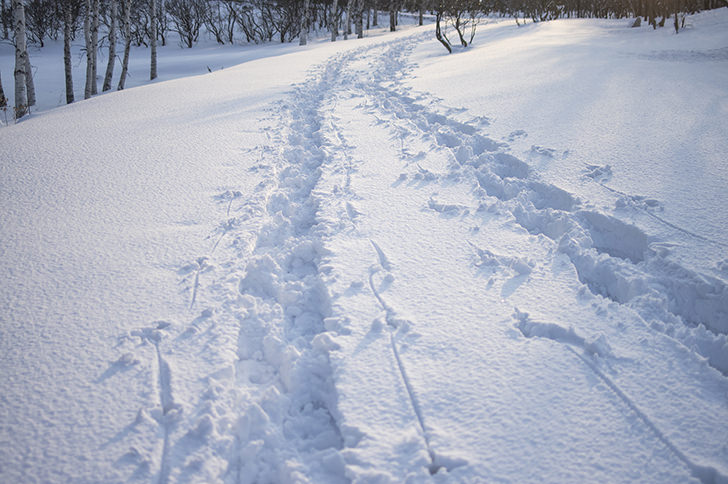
[(371, 261)]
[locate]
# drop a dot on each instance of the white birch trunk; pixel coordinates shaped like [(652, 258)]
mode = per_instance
[(153, 42), (89, 50), (95, 45), (112, 47), (359, 19), (29, 85), (347, 26), (304, 24), (127, 44), (67, 66), (334, 21), (21, 54)]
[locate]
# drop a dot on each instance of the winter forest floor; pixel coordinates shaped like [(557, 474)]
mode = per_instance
[(371, 261)]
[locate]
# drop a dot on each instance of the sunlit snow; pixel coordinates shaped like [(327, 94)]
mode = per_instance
[(372, 261)]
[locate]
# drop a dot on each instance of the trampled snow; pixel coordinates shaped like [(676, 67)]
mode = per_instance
[(371, 261)]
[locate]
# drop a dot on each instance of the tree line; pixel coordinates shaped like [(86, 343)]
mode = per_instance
[(106, 23)]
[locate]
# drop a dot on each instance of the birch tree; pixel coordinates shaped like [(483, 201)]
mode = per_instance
[(347, 26), (126, 25), (68, 26), (91, 35), (334, 21), (21, 63), (112, 47), (67, 66), (87, 40), (95, 44), (359, 19), (153, 42), (29, 84), (304, 23)]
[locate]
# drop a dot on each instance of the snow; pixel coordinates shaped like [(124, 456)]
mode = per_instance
[(370, 261), (647, 109)]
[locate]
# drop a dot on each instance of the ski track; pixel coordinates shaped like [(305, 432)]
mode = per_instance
[(169, 412), (614, 259), (706, 474), (264, 275), (600, 174), (590, 352), (398, 328)]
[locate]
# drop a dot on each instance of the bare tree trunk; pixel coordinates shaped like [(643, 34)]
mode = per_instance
[(422, 11), (392, 16), (438, 31), (127, 44), (347, 26), (95, 44), (304, 23), (112, 47), (67, 66), (359, 19), (153, 42), (87, 40), (334, 21), (676, 4), (90, 49), (375, 15), (21, 63), (29, 85)]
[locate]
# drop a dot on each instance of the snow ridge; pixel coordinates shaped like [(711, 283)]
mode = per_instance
[(614, 259)]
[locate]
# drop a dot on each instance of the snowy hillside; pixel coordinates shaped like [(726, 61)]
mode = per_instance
[(371, 261)]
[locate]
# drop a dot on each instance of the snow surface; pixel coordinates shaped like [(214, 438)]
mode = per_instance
[(369, 261)]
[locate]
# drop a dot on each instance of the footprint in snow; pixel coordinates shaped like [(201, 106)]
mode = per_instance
[(598, 173), (542, 151), (517, 134), (639, 202)]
